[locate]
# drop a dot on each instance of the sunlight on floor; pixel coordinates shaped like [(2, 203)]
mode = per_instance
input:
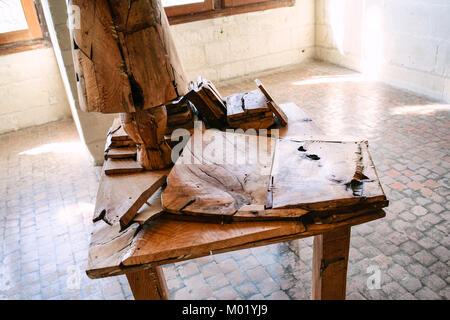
[(60, 147), (332, 79), (420, 109)]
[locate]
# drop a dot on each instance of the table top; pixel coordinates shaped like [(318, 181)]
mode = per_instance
[(114, 251)]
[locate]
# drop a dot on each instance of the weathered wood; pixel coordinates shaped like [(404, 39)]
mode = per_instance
[(121, 153), (150, 245), (206, 99), (147, 128), (155, 244), (157, 239), (330, 260), (108, 247), (255, 102), (219, 184), (151, 209), (126, 62), (246, 123), (119, 197), (249, 110), (102, 81), (121, 166), (133, 63), (300, 125), (148, 284), (228, 174), (235, 108), (321, 175), (119, 134), (281, 116)]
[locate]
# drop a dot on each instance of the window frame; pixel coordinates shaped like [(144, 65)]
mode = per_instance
[(36, 36), (192, 8), (220, 8)]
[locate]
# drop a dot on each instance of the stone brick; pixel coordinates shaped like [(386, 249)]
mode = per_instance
[(247, 289), (425, 258), (217, 281), (426, 294), (228, 265), (278, 295), (434, 282), (419, 211), (226, 293), (411, 284), (267, 286), (393, 290), (441, 269), (188, 269), (442, 253)]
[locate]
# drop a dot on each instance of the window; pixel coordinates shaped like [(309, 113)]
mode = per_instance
[(20, 27), (180, 11)]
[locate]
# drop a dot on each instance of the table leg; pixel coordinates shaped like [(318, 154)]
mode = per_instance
[(148, 284), (329, 270)]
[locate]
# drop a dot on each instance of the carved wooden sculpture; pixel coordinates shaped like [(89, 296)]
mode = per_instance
[(126, 62)]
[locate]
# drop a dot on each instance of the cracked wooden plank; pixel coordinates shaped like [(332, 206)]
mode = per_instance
[(119, 197), (281, 116), (121, 166), (108, 247), (205, 183), (121, 153), (130, 47), (151, 209), (323, 175), (305, 177), (151, 244)]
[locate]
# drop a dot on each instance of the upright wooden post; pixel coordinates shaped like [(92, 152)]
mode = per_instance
[(126, 62), (330, 260), (148, 284)]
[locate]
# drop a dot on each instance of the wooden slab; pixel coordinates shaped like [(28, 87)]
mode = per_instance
[(219, 184), (323, 175), (166, 241), (235, 105), (121, 166), (121, 153), (120, 197), (245, 123), (118, 143), (108, 247), (281, 116), (255, 102), (151, 209), (119, 134), (300, 124), (306, 176), (150, 247)]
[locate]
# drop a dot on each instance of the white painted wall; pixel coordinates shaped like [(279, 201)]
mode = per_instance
[(31, 90), (92, 127), (238, 45), (403, 42)]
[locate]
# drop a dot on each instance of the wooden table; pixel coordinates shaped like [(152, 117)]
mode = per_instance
[(140, 251)]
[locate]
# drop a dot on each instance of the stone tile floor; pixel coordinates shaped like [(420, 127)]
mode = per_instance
[(48, 188)]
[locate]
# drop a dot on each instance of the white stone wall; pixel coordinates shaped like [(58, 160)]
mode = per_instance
[(31, 90), (403, 42), (238, 45), (92, 127)]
